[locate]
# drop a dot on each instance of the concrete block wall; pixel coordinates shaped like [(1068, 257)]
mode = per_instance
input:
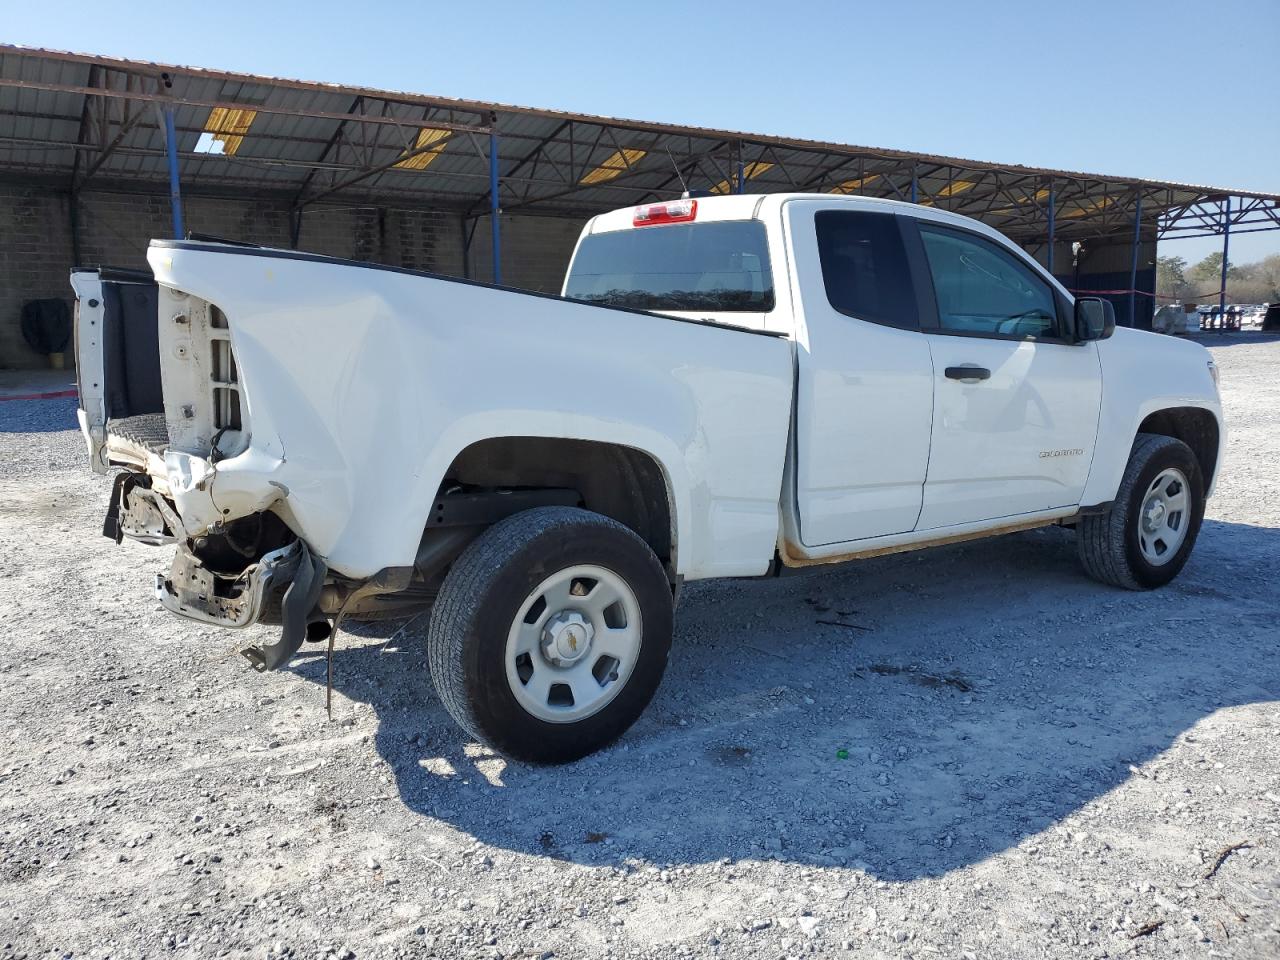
[(37, 254), (417, 239), (36, 251), (535, 251), (35, 259)]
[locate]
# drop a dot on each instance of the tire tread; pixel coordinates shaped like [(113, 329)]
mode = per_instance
[(1101, 536), (467, 585)]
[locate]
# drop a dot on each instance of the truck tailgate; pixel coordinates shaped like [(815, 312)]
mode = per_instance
[(118, 366)]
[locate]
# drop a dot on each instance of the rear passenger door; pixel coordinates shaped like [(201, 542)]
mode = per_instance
[(864, 392), (1015, 400)]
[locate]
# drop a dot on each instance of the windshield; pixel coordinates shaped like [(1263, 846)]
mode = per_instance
[(722, 266)]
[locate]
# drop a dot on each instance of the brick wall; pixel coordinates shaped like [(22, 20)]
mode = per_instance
[(36, 252)]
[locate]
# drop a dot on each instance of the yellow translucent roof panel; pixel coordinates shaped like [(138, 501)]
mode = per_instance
[(425, 148), (617, 163), (949, 190), (749, 172), (955, 187), (853, 186), (1086, 208), (224, 130)]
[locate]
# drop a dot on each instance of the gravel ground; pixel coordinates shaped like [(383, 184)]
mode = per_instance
[(994, 758)]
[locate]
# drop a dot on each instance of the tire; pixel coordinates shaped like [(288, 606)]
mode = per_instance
[(490, 605), (1115, 547)]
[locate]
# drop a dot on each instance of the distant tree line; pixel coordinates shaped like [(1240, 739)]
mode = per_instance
[(1246, 282)]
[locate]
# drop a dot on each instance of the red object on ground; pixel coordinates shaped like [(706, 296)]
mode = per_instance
[(51, 395)]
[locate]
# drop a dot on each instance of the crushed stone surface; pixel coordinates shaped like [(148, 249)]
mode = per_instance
[(995, 758)]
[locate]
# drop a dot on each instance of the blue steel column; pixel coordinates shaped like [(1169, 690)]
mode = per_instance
[(914, 184), (171, 149), (1226, 245), (742, 176), (1052, 226), (1133, 270), (494, 211)]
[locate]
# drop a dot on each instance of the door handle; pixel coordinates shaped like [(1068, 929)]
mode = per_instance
[(968, 373)]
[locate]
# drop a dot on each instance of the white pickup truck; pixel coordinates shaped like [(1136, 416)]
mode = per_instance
[(728, 387)]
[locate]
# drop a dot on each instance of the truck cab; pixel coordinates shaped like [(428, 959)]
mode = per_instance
[(946, 383)]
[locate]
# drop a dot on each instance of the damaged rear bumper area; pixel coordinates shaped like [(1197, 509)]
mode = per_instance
[(225, 578), (291, 577)]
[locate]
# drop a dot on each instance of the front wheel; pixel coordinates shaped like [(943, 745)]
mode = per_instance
[(1144, 539), (550, 634)]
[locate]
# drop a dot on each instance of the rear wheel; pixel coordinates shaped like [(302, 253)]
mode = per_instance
[(551, 634), (1144, 539)]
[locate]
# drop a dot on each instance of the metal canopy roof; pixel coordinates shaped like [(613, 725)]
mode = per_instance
[(76, 120)]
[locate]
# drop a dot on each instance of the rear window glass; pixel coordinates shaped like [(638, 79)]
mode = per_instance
[(864, 267), (721, 266)]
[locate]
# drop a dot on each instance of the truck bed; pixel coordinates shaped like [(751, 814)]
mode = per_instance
[(145, 431), (362, 383)]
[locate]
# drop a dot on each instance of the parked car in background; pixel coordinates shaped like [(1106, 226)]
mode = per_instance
[(1214, 318), (727, 387)]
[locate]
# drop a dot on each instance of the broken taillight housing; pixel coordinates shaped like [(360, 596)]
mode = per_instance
[(673, 211)]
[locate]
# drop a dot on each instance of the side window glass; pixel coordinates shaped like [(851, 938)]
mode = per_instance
[(983, 289), (864, 267)]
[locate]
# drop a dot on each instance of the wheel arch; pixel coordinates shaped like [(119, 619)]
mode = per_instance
[(1197, 427), (626, 483)]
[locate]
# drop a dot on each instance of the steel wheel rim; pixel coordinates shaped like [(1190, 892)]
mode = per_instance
[(573, 644), (1164, 516)]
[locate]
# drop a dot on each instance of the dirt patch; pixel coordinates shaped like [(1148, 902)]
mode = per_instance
[(952, 681)]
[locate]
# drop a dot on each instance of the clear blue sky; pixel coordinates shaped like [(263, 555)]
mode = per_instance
[(1165, 89)]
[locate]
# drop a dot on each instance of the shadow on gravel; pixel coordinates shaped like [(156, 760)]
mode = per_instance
[(1235, 338), (38, 416), (990, 692)]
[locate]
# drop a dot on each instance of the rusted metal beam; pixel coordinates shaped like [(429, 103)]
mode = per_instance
[(373, 171), (86, 123), (222, 104), (145, 124), (478, 109), (249, 161), (41, 143), (681, 174), (126, 126), (324, 154)]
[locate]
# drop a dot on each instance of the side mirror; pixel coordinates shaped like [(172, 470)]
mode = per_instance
[(1095, 319)]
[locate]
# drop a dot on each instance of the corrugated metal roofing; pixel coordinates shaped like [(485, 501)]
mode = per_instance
[(311, 140)]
